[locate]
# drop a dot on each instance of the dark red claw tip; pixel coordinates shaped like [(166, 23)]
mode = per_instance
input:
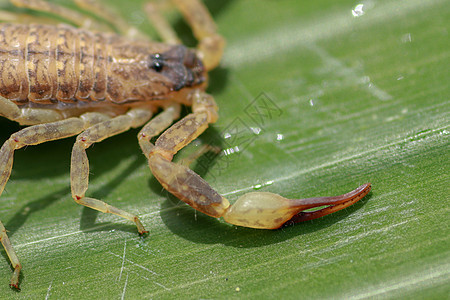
[(354, 196), (143, 233)]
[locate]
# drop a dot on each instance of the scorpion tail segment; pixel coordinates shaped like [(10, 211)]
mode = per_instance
[(271, 211)]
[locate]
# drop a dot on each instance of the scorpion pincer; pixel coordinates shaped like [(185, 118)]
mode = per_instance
[(64, 81)]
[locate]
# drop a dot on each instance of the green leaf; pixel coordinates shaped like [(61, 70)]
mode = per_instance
[(355, 99)]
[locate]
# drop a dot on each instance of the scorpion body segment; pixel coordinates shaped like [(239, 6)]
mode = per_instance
[(66, 81), (46, 65)]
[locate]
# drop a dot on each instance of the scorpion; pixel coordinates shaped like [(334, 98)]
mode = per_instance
[(67, 80)]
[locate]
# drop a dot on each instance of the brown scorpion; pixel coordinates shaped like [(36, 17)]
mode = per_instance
[(64, 81)]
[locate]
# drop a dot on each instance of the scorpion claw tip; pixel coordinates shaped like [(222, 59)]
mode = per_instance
[(144, 233)]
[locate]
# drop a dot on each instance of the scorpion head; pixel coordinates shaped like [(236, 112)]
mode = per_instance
[(180, 66)]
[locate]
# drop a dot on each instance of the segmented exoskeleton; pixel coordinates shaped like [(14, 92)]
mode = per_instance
[(65, 81), (63, 67)]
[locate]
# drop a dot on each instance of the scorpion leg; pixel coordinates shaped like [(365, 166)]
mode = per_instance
[(105, 12), (203, 149), (32, 135), (79, 169), (255, 210), (156, 126), (164, 29), (211, 44), (4, 239), (23, 18), (73, 16)]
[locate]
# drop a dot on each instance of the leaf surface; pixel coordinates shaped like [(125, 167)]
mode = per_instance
[(314, 101)]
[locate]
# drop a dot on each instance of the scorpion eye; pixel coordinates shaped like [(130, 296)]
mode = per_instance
[(156, 62)]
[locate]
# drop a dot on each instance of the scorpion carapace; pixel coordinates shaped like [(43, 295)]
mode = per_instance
[(66, 81), (181, 65)]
